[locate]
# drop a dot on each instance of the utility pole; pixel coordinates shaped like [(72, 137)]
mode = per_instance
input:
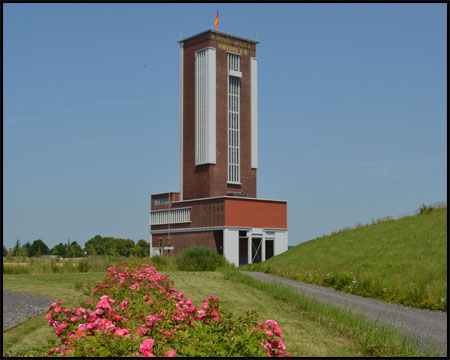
[(150, 248), (168, 230)]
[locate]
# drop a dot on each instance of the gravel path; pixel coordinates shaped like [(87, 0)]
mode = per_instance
[(18, 307), (429, 326)]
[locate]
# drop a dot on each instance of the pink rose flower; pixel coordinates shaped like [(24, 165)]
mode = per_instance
[(57, 309), (171, 353), (123, 304), (281, 345), (271, 323), (146, 346), (134, 286), (277, 331), (121, 332)]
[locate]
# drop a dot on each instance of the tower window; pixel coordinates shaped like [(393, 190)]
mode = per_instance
[(233, 62), (234, 85)]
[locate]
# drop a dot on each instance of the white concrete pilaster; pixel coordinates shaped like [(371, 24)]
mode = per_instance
[(231, 246)]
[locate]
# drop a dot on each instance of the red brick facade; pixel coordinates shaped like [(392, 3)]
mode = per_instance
[(180, 242), (218, 212), (211, 179)]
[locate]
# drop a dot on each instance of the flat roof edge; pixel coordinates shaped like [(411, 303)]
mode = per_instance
[(230, 197), (220, 33), (167, 192)]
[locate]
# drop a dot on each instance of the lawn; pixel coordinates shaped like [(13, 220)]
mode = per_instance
[(307, 331), (402, 261)]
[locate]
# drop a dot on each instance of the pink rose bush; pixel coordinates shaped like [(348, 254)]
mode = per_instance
[(137, 312)]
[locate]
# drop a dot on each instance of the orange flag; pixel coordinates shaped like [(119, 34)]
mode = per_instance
[(217, 20)]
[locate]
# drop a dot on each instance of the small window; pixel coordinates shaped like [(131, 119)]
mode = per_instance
[(242, 233), (162, 201), (234, 62)]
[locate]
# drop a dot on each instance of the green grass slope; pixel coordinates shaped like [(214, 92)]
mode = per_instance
[(402, 261)]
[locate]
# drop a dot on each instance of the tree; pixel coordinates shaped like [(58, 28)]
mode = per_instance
[(76, 250), (124, 247), (5, 251), (25, 251), (96, 246), (142, 248), (109, 246), (16, 248), (38, 248), (59, 250)]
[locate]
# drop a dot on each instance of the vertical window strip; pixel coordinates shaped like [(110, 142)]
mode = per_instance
[(233, 62), (197, 102), (233, 122)]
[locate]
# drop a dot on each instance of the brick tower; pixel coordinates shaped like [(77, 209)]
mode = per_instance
[(217, 205)]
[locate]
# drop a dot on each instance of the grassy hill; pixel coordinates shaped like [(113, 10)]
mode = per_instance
[(402, 261)]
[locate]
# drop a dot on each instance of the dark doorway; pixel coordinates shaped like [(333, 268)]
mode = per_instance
[(243, 251), (256, 250), (218, 238), (269, 249)]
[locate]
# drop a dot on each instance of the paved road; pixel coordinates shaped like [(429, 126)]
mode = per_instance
[(18, 307), (429, 326)]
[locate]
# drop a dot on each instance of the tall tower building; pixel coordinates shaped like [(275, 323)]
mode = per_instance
[(217, 205)]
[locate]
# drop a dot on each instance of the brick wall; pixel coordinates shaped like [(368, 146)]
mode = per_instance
[(229, 211), (180, 242), (211, 180)]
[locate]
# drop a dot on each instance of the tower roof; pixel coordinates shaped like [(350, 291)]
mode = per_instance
[(219, 33)]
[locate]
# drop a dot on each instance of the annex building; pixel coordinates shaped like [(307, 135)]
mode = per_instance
[(217, 205)]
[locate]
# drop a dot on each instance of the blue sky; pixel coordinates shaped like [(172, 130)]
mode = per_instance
[(352, 112)]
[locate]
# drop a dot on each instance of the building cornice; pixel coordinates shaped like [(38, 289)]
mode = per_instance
[(211, 228), (219, 33), (229, 197)]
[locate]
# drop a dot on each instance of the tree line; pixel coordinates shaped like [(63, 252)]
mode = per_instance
[(98, 245)]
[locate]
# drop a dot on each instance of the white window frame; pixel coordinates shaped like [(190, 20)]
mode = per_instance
[(177, 216)]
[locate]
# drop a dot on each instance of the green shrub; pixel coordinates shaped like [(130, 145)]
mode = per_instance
[(329, 279), (199, 258), (424, 209), (160, 262), (345, 279)]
